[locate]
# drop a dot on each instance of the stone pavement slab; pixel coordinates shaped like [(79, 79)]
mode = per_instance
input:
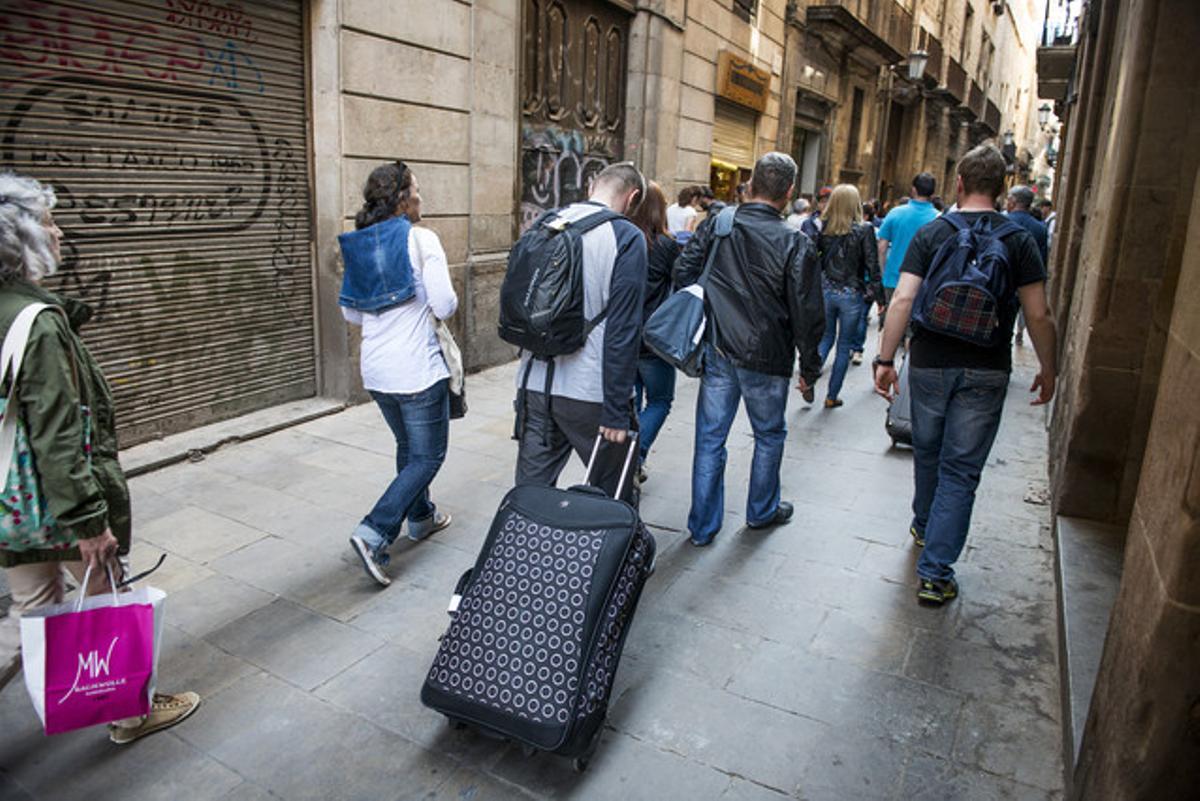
[(793, 663)]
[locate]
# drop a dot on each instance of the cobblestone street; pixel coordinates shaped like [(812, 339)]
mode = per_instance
[(794, 663)]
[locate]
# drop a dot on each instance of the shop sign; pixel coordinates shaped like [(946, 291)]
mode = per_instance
[(743, 83)]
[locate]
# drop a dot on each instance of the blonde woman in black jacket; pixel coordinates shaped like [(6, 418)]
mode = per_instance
[(849, 275)]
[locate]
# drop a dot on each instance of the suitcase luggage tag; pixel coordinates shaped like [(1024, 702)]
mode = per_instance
[(459, 589)]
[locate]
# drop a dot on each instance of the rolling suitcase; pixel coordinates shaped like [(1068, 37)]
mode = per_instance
[(539, 623), (899, 413)]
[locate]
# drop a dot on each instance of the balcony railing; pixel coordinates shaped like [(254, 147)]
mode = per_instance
[(934, 67), (883, 25), (899, 27), (991, 117), (977, 100), (956, 80), (1061, 25), (1056, 55)]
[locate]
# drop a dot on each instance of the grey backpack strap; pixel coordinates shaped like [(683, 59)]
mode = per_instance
[(722, 228)]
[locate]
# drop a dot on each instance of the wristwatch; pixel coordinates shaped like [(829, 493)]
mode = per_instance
[(878, 362)]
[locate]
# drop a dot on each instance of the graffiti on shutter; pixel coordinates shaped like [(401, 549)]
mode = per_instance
[(174, 135), (573, 104)]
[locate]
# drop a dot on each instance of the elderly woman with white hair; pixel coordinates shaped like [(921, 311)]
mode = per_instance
[(66, 407)]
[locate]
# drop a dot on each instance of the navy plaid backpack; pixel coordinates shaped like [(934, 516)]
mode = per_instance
[(969, 284)]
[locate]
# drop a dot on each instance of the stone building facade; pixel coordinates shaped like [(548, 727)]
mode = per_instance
[(209, 153), (1125, 433), (838, 96), (434, 84)]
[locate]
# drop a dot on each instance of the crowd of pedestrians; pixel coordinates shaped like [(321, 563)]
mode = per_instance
[(788, 286)]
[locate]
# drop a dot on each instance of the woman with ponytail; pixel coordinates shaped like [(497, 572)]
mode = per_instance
[(396, 286)]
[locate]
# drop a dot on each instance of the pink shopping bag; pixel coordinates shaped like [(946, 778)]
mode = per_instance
[(92, 662)]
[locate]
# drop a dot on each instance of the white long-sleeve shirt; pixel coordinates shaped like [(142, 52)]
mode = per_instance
[(400, 350)]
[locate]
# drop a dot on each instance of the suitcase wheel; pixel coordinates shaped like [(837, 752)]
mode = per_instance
[(581, 762)]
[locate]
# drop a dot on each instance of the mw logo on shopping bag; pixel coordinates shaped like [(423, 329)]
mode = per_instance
[(93, 667), (99, 665)]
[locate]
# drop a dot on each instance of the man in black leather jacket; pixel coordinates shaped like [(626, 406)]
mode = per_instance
[(765, 304)]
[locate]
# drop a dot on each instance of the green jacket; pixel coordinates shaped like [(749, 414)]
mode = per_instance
[(82, 499)]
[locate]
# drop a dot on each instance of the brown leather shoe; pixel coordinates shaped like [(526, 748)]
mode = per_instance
[(165, 712)]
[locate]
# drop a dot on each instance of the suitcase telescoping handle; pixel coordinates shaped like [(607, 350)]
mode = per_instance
[(631, 442)]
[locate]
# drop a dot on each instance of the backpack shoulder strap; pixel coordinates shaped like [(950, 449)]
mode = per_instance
[(957, 220), (543, 218), (1006, 228), (722, 228), (581, 227), (595, 220), (723, 225)]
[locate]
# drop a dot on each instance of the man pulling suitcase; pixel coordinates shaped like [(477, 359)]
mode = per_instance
[(572, 301)]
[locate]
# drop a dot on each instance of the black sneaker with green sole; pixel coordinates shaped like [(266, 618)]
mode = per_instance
[(937, 591), (918, 536)]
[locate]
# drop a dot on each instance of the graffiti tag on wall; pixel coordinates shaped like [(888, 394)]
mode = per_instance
[(558, 166)]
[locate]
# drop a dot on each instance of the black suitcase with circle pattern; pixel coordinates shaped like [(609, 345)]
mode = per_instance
[(540, 621)]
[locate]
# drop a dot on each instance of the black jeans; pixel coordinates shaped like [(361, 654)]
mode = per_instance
[(546, 442)]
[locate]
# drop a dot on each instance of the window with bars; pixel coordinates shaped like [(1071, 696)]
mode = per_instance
[(746, 9)]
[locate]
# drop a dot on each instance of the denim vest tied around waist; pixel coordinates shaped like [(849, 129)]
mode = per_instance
[(378, 273)]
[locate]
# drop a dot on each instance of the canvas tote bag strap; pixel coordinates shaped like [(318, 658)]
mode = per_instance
[(11, 355), (450, 349)]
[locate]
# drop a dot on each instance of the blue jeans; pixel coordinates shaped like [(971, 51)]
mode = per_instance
[(844, 311), (420, 422), (859, 343), (955, 417), (656, 386), (721, 388)]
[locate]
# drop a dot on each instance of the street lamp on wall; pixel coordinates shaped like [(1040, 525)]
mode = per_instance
[(1044, 114), (1009, 151), (916, 64), (917, 61)]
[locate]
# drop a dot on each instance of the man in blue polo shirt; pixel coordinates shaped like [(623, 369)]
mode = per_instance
[(898, 228)]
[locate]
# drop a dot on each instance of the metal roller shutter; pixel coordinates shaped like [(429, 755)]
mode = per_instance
[(175, 134), (733, 135)]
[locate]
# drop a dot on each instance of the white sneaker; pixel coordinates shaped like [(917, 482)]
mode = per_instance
[(368, 560), (423, 529)]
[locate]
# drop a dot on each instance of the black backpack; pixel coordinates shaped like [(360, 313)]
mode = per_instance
[(541, 299)]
